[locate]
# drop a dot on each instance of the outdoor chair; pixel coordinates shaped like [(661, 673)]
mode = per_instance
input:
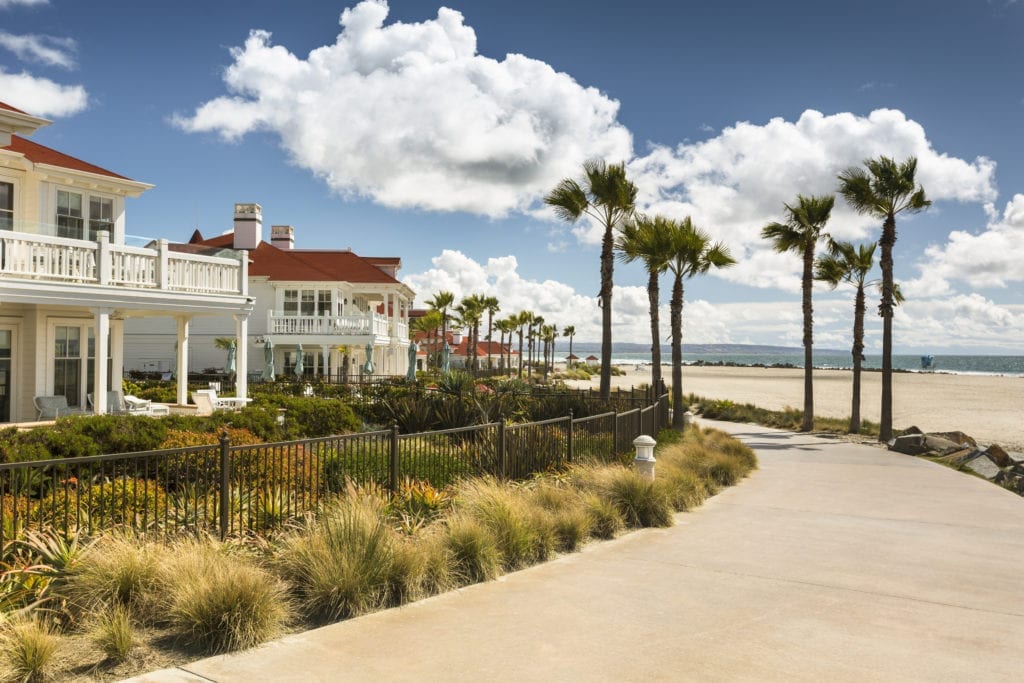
[(207, 401), (51, 407)]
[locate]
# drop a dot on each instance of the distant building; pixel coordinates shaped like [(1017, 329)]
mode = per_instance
[(593, 361)]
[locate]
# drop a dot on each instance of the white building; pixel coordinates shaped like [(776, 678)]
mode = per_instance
[(333, 303), (69, 284)]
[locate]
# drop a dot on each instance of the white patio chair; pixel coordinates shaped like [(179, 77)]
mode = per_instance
[(51, 407)]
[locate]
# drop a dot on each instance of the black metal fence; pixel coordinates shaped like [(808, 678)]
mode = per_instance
[(234, 490)]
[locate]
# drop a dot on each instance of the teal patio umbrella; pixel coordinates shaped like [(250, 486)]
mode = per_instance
[(368, 368), (300, 365), (410, 374), (268, 361), (230, 366), (446, 357)]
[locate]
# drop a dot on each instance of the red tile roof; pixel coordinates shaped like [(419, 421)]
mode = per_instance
[(4, 105), (302, 265), (40, 154)]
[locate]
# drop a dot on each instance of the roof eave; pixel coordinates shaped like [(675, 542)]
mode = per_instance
[(123, 186)]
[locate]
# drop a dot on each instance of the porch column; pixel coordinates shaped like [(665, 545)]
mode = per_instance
[(325, 355), (116, 354), (393, 314), (182, 364), (241, 356), (99, 384)]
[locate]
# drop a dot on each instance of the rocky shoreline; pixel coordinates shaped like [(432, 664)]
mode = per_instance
[(962, 452)]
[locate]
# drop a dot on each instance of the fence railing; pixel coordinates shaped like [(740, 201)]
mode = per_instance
[(241, 489)]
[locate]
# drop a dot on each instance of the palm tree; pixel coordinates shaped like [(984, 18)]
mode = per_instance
[(505, 326), (692, 254), (535, 323), (491, 305), (428, 324), (804, 225), (608, 198), (647, 239), (570, 332), (884, 189), (470, 311), (442, 302), (523, 318)]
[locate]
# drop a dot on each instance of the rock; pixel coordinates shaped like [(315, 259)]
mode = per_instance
[(998, 456), (958, 458), (939, 444), (912, 430), (984, 467), (909, 444), (956, 437)]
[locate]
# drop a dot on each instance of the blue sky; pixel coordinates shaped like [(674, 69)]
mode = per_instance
[(432, 133)]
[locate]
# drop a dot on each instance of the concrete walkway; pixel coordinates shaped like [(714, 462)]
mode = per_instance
[(832, 562)]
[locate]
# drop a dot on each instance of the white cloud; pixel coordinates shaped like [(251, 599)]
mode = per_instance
[(992, 258), (411, 115), (41, 96), (736, 182), (4, 4), (48, 50)]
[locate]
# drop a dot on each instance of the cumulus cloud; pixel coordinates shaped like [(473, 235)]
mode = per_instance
[(411, 115), (736, 182), (992, 258), (4, 4), (47, 50), (41, 96)]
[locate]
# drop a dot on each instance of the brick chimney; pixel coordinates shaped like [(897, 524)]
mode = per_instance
[(282, 236), (248, 226)]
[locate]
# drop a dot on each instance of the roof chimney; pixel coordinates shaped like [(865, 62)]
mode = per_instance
[(282, 236), (248, 226)]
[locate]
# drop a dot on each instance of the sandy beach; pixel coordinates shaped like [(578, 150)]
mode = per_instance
[(989, 408)]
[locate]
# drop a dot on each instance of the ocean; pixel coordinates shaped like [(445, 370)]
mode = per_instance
[(956, 364)]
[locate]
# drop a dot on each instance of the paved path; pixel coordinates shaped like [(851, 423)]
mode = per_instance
[(832, 562)]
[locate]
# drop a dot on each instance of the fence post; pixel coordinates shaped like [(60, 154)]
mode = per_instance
[(502, 453), (225, 483), (393, 469), (569, 439), (615, 432)]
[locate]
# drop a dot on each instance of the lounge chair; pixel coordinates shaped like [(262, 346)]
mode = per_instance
[(207, 401)]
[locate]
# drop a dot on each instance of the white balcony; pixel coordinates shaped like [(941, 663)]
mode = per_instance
[(363, 324), (60, 260)]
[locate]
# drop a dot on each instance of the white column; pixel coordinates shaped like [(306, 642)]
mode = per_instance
[(325, 354), (182, 365), (241, 356), (393, 314), (116, 354), (99, 385)]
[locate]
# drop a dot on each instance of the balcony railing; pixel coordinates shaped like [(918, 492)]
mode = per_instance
[(57, 259), (363, 324)]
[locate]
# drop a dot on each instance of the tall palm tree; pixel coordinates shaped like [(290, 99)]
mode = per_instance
[(470, 311), (492, 306), (532, 331), (428, 325), (443, 302), (523, 318), (608, 197), (647, 239), (692, 253), (883, 189), (570, 332), (799, 233)]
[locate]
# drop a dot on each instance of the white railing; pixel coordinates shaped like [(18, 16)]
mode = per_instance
[(58, 259), (363, 324), (400, 329)]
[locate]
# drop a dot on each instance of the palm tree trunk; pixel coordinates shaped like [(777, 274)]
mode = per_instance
[(808, 285), (490, 326), (676, 319), (858, 356), (886, 311), (520, 352), (607, 268), (652, 296), (569, 361)]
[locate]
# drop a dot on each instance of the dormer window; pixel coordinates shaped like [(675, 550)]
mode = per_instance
[(6, 206), (71, 219)]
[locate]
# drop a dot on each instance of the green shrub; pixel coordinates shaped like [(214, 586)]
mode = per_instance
[(27, 647), (138, 503), (220, 602)]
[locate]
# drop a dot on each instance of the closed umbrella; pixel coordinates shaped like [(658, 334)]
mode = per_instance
[(268, 361), (446, 357), (229, 367), (300, 365), (368, 368), (410, 374)]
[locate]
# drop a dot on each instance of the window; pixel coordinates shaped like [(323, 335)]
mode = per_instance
[(101, 216), (69, 215), (291, 302), (67, 363), (307, 302), (323, 302), (6, 206)]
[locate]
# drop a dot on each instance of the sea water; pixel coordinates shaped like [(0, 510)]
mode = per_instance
[(956, 364)]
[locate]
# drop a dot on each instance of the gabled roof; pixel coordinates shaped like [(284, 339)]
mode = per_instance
[(40, 154), (303, 265), (4, 105)]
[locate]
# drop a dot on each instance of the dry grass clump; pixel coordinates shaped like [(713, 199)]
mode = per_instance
[(114, 633), (116, 570), (523, 537), (27, 647), (473, 549), (605, 519), (220, 602)]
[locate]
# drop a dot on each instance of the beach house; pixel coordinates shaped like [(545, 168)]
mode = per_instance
[(69, 283), (317, 312)]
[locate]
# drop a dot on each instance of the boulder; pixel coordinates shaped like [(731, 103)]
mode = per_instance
[(912, 430), (958, 458), (998, 456), (940, 445), (984, 467), (956, 437), (909, 444)]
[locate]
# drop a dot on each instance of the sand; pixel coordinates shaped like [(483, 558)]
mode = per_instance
[(989, 408)]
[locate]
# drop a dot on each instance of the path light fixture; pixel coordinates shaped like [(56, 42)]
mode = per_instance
[(644, 460)]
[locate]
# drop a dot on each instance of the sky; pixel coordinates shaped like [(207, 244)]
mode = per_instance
[(432, 132)]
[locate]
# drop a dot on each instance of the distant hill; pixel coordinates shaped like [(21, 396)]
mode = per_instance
[(584, 349)]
